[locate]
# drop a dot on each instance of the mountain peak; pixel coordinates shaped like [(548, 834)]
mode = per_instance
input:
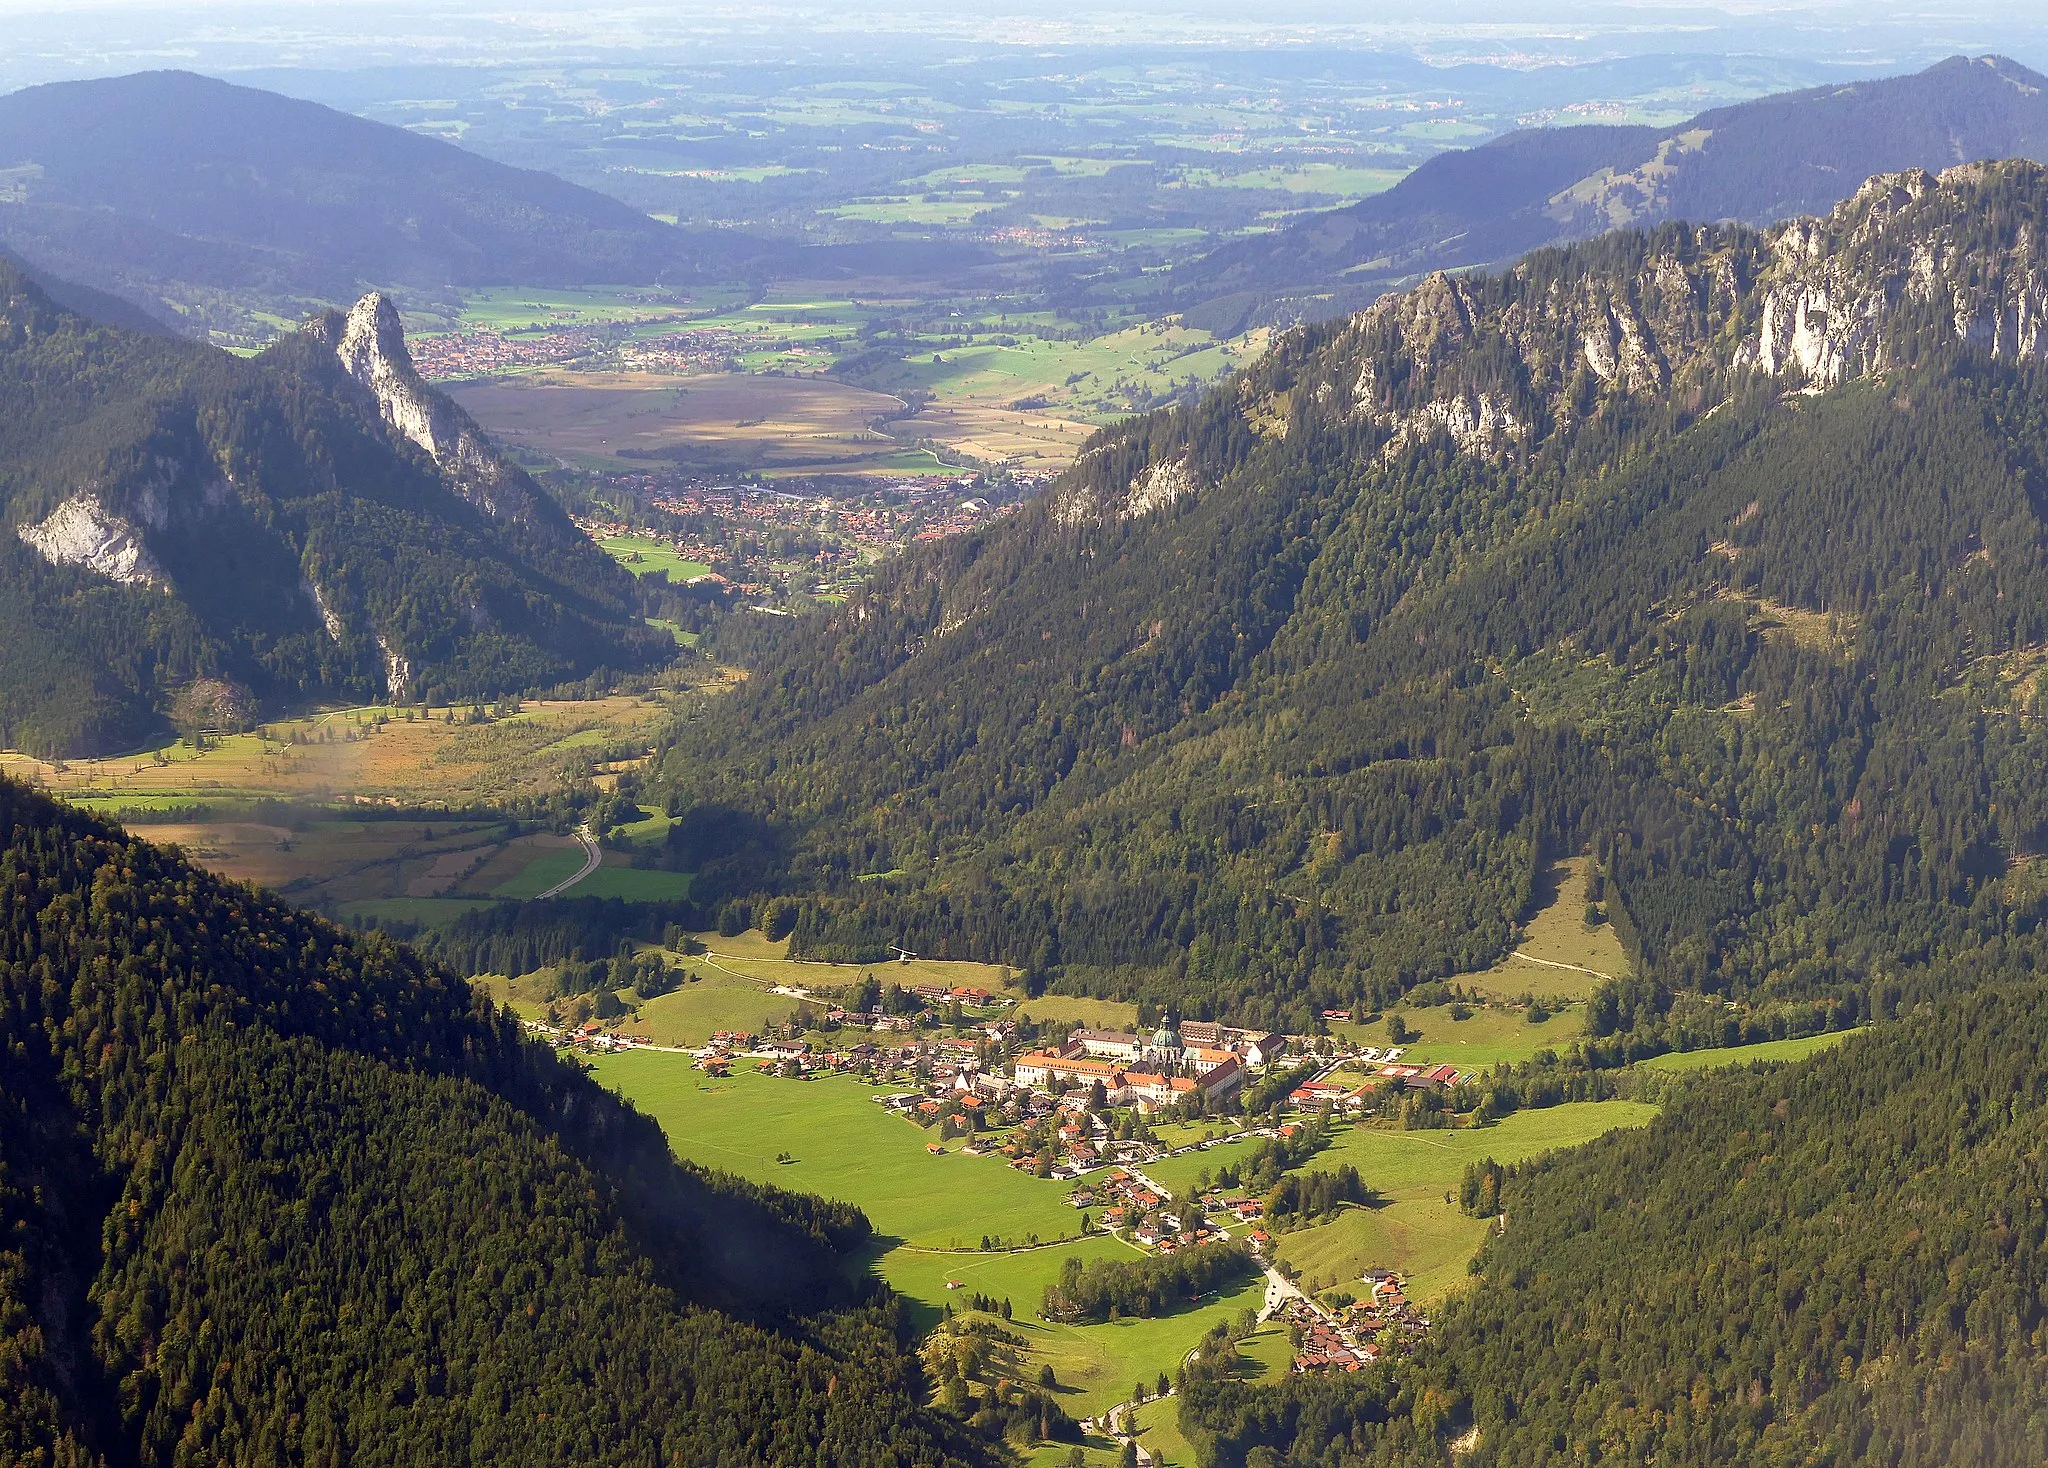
[(369, 342), (373, 338)]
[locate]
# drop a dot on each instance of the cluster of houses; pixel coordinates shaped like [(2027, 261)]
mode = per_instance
[(1128, 1201), (1361, 1333), (1387, 1314), (1326, 1344), (1172, 1065)]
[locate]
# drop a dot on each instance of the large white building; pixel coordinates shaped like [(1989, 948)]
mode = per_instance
[(1108, 1044)]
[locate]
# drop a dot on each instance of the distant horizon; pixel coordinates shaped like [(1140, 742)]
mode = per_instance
[(73, 38)]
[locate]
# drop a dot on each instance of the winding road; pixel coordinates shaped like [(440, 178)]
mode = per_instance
[(592, 859)]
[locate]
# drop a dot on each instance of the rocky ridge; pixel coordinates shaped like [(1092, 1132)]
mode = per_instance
[(370, 343), (1503, 364)]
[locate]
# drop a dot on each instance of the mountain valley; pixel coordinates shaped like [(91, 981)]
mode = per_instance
[(1042, 754)]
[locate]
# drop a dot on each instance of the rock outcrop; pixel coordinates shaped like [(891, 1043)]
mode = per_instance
[(370, 343), (81, 532)]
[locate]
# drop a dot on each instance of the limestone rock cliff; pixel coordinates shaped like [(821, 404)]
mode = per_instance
[(370, 342), (81, 532)]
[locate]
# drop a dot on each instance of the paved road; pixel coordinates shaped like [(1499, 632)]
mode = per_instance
[(592, 858)]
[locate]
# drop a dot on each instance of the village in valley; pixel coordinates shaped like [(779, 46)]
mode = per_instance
[(1098, 1111)]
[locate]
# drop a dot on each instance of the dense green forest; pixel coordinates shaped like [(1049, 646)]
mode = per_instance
[(270, 1193), (1837, 1262), (277, 535), (1303, 731)]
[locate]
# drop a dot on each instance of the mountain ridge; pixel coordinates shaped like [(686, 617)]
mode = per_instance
[(184, 189), (1755, 162), (1279, 700), (297, 523)]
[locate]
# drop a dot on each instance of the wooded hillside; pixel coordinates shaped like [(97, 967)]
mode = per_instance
[(169, 512), (1281, 699), (271, 1193)]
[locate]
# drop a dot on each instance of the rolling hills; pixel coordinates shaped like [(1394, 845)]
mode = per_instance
[(312, 522), (1714, 552), (172, 187), (1754, 162)]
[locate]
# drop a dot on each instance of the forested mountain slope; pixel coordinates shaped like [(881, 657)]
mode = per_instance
[(1841, 1262), (1718, 553), (272, 1194), (1754, 162), (175, 185), (313, 521)]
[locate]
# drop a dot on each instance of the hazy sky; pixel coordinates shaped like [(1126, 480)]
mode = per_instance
[(48, 39)]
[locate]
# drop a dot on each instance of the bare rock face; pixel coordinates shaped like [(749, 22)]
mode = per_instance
[(370, 343), (1155, 487), (81, 532)]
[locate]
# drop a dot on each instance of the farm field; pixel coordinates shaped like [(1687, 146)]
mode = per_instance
[(719, 422), (281, 807), (371, 754), (1769, 1050), (426, 872)]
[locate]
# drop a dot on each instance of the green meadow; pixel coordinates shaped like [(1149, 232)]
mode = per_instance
[(1797, 1049), (542, 873), (1415, 1229), (643, 556), (929, 1212), (1486, 1037)]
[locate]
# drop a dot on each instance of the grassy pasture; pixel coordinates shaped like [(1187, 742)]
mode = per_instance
[(643, 556), (628, 884), (752, 957), (1769, 1050), (555, 862), (1415, 1230), (1559, 957), (1489, 1037), (709, 1001), (845, 1146), (1096, 1014)]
